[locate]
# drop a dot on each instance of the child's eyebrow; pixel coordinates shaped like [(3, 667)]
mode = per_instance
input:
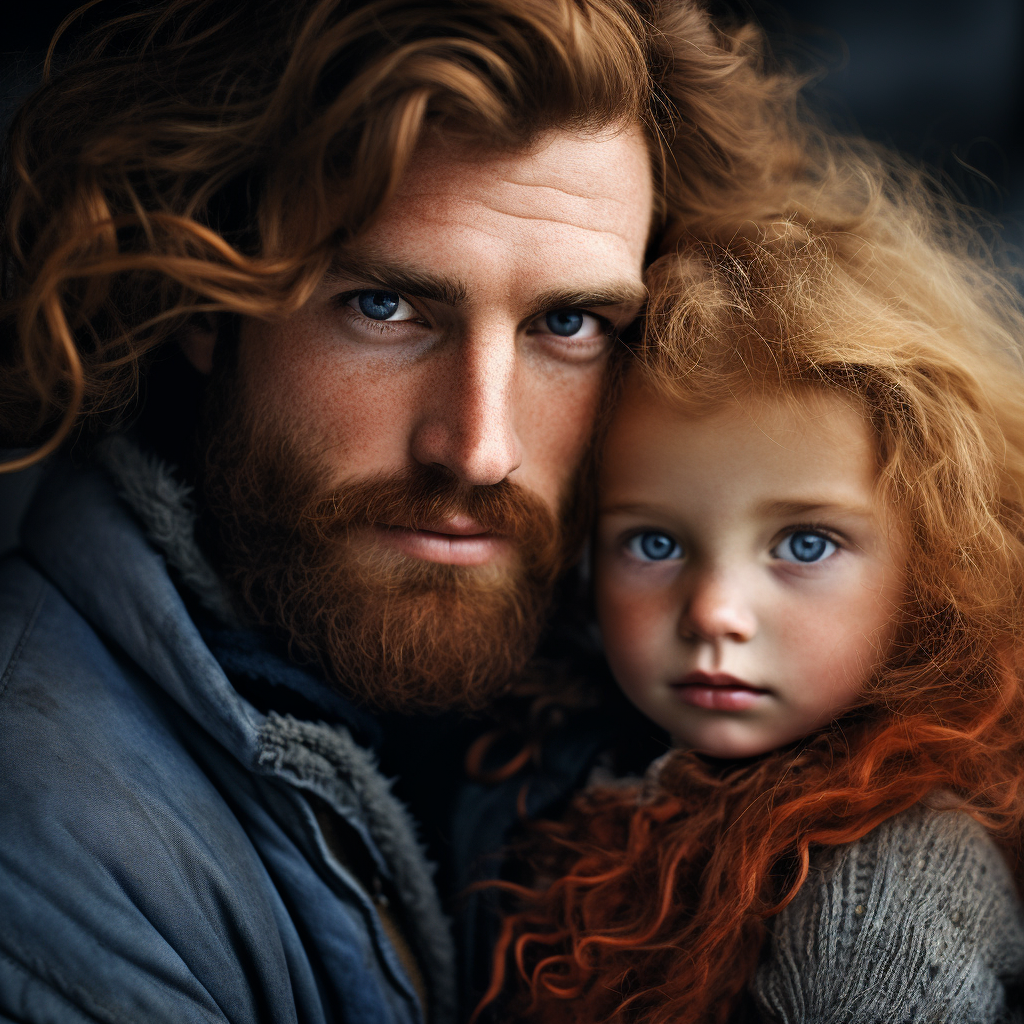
[(785, 508), (629, 508)]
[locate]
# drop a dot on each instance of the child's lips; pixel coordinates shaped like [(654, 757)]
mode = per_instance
[(717, 691)]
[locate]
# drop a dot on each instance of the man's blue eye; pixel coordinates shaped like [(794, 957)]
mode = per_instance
[(654, 547), (379, 305), (564, 322), (805, 547)]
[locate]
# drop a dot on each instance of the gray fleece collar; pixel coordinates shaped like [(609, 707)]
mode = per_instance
[(164, 506)]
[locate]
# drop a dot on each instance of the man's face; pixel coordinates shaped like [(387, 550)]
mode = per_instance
[(456, 366), (457, 349)]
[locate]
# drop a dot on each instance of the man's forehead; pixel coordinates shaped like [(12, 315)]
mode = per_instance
[(593, 181), (561, 225)]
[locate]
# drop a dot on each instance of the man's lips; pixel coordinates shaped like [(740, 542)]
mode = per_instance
[(459, 540), (717, 691)]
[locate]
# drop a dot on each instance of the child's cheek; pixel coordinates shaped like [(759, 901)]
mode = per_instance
[(638, 629)]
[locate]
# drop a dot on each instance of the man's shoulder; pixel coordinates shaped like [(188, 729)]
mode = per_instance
[(90, 741), (106, 869), (64, 688)]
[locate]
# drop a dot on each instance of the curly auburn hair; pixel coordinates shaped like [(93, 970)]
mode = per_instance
[(653, 908), (202, 156)]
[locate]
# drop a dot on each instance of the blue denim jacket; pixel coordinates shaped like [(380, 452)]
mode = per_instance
[(160, 858)]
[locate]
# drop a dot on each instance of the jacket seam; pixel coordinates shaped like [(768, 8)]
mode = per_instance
[(52, 989), (19, 647)]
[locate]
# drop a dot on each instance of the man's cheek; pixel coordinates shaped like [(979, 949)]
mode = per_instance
[(357, 420), (555, 431)]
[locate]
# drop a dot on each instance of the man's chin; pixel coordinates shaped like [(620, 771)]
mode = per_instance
[(391, 628), (409, 635)]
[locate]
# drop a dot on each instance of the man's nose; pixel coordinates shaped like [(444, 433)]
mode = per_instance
[(467, 421), (717, 607)]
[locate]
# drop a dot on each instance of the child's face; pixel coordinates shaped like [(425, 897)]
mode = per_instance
[(746, 577)]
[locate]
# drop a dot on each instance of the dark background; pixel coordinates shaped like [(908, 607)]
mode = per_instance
[(940, 80)]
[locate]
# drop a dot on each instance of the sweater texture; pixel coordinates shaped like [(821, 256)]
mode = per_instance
[(918, 921)]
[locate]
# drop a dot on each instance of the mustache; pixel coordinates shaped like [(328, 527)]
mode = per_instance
[(424, 499)]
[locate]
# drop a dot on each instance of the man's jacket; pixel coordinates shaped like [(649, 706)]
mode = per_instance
[(169, 851)]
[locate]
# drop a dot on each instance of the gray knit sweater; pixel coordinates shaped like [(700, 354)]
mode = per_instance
[(918, 921)]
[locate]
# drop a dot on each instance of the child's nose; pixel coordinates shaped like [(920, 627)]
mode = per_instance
[(717, 609)]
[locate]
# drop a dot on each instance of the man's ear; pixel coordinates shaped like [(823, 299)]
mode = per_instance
[(197, 342)]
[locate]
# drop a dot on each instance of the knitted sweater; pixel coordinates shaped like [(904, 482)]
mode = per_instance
[(919, 921)]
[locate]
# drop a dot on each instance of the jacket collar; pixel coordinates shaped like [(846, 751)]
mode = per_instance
[(111, 562)]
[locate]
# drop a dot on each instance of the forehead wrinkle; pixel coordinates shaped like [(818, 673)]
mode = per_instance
[(582, 211), (587, 196), (585, 215), (504, 184), (605, 198), (547, 217)]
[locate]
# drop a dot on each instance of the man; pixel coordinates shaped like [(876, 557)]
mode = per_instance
[(354, 273)]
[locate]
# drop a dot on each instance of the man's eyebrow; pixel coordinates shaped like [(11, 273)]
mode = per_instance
[(419, 284), (407, 281), (620, 293)]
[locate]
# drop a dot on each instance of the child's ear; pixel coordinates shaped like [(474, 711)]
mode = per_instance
[(197, 341)]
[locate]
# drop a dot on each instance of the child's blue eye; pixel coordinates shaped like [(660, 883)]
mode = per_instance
[(654, 547), (805, 547)]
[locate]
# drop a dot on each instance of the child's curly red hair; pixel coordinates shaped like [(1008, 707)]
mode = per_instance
[(659, 903)]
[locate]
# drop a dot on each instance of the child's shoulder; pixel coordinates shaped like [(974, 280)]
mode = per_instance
[(930, 861), (918, 920)]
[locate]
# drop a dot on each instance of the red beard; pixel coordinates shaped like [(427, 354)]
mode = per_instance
[(392, 631)]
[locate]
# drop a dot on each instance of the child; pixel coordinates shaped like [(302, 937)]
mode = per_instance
[(809, 570)]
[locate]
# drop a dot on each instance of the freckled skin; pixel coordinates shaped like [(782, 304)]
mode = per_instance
[(478, 386), (808, 635)]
